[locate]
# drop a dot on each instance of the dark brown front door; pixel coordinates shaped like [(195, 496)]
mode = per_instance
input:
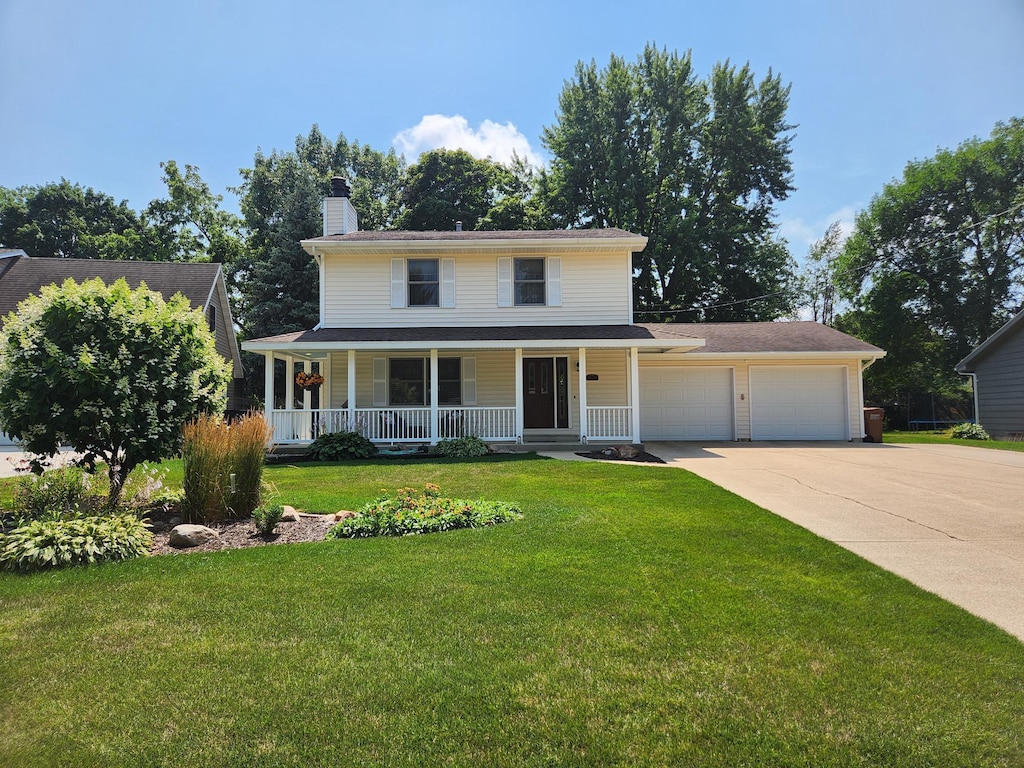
[(538, 393)]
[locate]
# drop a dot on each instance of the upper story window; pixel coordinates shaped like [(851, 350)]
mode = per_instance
[(528, 276), (530, 282), (424, 282)]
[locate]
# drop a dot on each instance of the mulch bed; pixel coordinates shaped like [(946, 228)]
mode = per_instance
[(643, 457), (236, 534)]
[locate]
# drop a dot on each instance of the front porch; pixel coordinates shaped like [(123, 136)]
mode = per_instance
[(512, 396)]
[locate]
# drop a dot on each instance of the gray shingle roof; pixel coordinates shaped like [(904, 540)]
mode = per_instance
[(369, 236), (722, 338), (26, 276)]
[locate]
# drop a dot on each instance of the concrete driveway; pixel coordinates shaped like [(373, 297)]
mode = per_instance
[(949, 518)]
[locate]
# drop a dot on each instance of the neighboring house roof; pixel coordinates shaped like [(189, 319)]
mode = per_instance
[(990, 344), (721, 338), (27, 276)]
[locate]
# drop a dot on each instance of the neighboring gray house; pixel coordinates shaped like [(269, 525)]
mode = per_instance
[(202, 284), (997, 367)]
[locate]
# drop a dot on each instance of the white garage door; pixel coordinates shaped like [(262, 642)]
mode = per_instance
[(686, 403), (798, 403)]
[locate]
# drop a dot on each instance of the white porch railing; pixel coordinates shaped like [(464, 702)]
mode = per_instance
[(610, 423), (485, 423), (394, 425)]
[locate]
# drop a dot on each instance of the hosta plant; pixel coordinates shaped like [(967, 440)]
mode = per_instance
[(45, 544)]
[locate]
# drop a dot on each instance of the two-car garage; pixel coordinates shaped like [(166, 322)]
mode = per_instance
[(759, 402)]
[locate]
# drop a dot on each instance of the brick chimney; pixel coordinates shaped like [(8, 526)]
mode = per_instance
[(339, 215)]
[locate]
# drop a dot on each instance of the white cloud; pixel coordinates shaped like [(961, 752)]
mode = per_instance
[(801, 234), (490, 139)]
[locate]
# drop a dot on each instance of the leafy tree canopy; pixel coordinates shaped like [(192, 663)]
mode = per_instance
[(281, 203), (696, 165), (447, 186), (936, 263), (113, 372), (70, 221)]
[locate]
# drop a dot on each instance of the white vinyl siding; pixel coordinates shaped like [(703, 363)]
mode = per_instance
[(361, 293)]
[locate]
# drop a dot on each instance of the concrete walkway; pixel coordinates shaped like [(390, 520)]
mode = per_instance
[(949, 518)]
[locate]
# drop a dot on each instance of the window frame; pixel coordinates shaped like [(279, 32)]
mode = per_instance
[(542, 282), (412, 285), (424, 382)]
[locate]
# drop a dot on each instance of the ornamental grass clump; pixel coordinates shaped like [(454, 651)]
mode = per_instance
[(411, 511), (223, 467)]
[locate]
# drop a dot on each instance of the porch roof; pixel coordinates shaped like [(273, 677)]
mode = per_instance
[(476, 337)]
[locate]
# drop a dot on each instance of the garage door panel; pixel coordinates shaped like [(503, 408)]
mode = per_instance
[(681, 403), (798, 403)]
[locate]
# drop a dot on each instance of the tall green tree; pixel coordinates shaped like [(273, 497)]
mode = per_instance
[(67, 220), (936, 263), (818, 277), (450, 185), (114, 372), (190, 225), (276, 281), (695, 165)]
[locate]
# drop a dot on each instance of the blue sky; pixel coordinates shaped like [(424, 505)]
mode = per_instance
[(101, 92)]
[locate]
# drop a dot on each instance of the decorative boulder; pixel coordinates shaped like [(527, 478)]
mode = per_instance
[(290, 515), (184, 536), (343, 514), (627, 451)]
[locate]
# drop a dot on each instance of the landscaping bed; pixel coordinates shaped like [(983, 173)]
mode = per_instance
[(237, 534)]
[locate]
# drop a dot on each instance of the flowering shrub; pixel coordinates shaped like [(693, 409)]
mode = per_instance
[(969, 432), (411, 511), (56, 495)]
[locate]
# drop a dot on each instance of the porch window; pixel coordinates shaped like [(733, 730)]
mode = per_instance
[(528, 275), (424, 282), (409, 381)]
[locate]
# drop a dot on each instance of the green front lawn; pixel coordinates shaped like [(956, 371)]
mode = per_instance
[(940, 438), (635, 616)]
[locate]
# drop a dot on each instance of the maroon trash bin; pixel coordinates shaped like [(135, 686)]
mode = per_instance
[(873, 424)]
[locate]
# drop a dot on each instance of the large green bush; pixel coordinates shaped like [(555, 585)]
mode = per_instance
[(57, 494), (339, 446), (44, 544), (111, 371), (411, 511)]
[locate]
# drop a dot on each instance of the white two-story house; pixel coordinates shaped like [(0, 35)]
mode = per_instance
[(528, 336)]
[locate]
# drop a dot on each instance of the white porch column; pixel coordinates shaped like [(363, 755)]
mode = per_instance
[(325, 390), (519, 395), (268, 384), (289, 383), (434, 392), (584, 428), (351, 390), (307, 394), (634, 394)]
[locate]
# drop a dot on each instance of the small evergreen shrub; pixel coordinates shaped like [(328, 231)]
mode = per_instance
[(267, 518), (462, 447), (411, 511), (45, 544), (341, 446), (969, 432)]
